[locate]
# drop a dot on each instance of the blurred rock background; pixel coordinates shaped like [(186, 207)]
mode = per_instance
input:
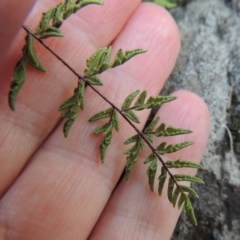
[(209, 65)]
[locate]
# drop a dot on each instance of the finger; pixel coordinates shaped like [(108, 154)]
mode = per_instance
[(134, 212), (69, 186), (23, 131), (11, 18)]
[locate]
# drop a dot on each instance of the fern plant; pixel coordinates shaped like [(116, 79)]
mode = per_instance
[(99, 62)]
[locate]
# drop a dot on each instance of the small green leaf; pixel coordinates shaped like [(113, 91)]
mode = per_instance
[(162, 179), (71, 114), (170, 189), (151, 172), (57, 19), (94, 80), (149, 137), (115, 120), (188, 178), (176, 147), (99, 61), (18, 79), (132, 151), (132, 139), (140, 101), (51, 32), (103, 114), (31, 55), (151, 126), (131, 160), (150, 158), (121, 57), (104, 128), (182, 164), (176, 193), (161, 148), (132, 116), (170, 131), (157, 101), (68, 103), (181, 200), (68, 8), (166, 3), (190, 211), (128, 101), (44, 22), (106, 141), (189, 190)]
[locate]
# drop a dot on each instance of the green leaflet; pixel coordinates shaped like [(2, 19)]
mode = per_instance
[(128, 101), (167, 3), (158, 101), (94, 80), (132, 116), (44, 22), (133, 154), (151, 172), (170, 189), (140, 101), (103, 114), (150, 158), (182, 163), (181, 200), (189, 190), (71, 114), (105, 127), (19, 75), (51, 32), (121, 57), (115, 120), (172, 147), (132, 139), (151, 126), (170, 131), (57, 18), (31, 55), (189, 210), (175, 196), (18, 80), (71, 107), (68, 8), (106, 141), (182, 177), (98, 62), (162, 179)]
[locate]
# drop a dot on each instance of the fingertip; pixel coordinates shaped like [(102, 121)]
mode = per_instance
[(11, 19)]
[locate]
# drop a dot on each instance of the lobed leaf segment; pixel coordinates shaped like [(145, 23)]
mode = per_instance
[(134, 102)]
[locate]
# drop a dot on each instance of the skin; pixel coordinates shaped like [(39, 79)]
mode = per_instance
[(56, 188)]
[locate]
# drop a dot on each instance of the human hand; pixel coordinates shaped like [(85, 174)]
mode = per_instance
[(56, 188)]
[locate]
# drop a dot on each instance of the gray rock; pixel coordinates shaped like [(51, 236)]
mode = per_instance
[(209, 65)]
